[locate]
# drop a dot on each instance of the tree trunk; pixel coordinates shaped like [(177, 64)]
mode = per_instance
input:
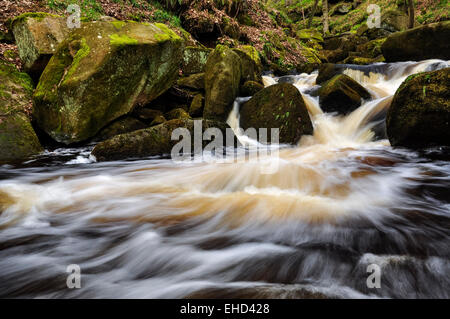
[(313, 12), (326, 28), (411, 13)]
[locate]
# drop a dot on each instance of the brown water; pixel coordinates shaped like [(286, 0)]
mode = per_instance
[(152, 228)]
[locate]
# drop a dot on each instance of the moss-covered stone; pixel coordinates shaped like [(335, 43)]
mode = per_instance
[(250, 88), (419, 115), (394, 20), (326, 72), (194, 81), (38, 36), (371, 49), (120, 126), (152, 141), (278, 106), (197, 105), (158, 120), (250, 63), (341, 94), (222, 78), (194, 60), (17, 137), (93, 78), (421, 43), (178, 113)]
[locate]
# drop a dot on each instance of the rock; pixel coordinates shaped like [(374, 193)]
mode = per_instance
[(222, 79), (421, 43), (334, 56), (196, 108), (358, 60), (419, 115), (177, 114), (371, 49), (152, 141), (146, 115), (194, 60), (278, 106), (341, 94), (100, 72), (250, 63), (250, 88), (18, 140), (158, 120), (326, 72), (394, 20), (175, 97), (194, 81), (38, 36), (120, 126)]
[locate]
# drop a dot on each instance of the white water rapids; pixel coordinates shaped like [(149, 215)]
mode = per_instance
[(340, 200)]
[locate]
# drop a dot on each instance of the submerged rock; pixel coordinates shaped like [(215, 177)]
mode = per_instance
[(341, 94), (420, 112), (37, 37), (100, 72), (278, 106), (222, 79), (425, 42), (152, 141), (17, 137)]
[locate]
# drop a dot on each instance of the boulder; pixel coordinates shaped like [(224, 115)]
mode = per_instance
[(326, 72), (250, 63), (146, 115), (120, 126), (17, 137), (278, 106), (250, 88), (421, 43), (222, 79), (196, 108), (419, 115), (100, 72), (194, 60), (158, 120), (178, 113), (152, 141), (371, 49), (341, 94), (194, 81), (394, 20), (37, 37)]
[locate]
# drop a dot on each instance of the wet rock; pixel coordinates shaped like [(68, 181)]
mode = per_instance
[(250, 88), (17, 137), (194, 60), (196, 108), (194, 81), (222, 79), (100, 72), (156, 140), (326, 72), (420, 112), (37, 36), (358, 60), (120, 126), (278, 106), (341, 94), (421, 43)]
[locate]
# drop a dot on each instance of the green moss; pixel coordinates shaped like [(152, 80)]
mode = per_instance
[(35, 15), (121, 40), (168, 33), (118, 24)]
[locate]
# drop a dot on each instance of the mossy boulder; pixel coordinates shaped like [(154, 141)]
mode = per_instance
[(222, 78), (100, 72), (250, 88), (250, 63), (178, 113), (37, 37), (358, 60), (158, 120), (120, 126), (394, 20), (278, 106), (371, 49), (341, 94), (326, 72), (194, 81), (194, 60), (17, 137), (425, 42), (197, 105), (419, 115), (152, 141)]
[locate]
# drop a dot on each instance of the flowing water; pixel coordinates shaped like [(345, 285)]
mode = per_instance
[(341, 200)]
